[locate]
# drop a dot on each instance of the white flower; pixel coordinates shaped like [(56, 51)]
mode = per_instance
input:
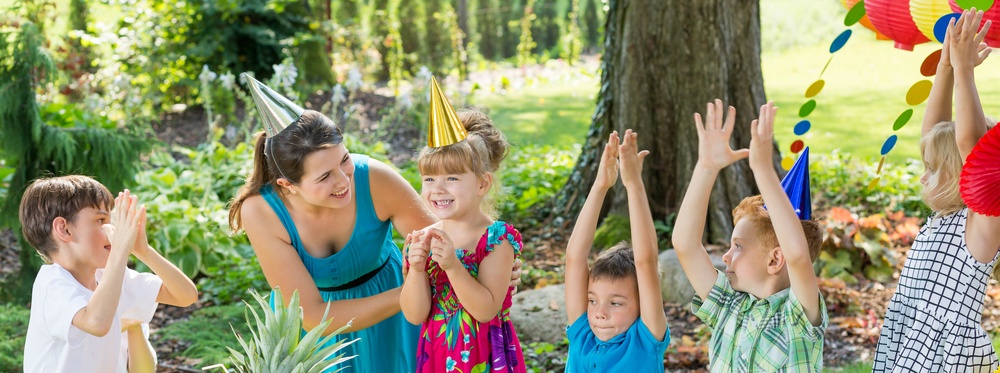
[(206, 76), (424, 74), (285, 73), (338, 96), (354, 81), (227, 80)]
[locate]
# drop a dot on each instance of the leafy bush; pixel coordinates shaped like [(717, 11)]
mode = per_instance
[(534, 174), (207, 332), (545, 357), (863, 246), (228, 281), (841, 180), (187, 202), (13, 328)]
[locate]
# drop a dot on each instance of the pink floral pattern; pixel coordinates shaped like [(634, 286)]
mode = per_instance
[(450, 339)]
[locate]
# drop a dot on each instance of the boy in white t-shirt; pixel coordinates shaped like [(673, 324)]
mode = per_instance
[(84, 293)]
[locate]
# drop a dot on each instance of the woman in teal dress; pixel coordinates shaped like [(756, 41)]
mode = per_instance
[(320, 221)]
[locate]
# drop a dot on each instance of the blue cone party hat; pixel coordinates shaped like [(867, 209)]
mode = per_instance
[(796, 186)]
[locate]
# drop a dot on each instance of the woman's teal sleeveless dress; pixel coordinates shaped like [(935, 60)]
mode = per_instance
[(369, 264)]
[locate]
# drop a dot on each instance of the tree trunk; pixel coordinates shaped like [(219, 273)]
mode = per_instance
[(663, 61)]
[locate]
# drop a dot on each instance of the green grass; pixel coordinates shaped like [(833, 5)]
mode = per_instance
[(548, 112), (859, 367)]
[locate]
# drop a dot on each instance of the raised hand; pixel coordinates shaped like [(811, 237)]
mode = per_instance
[(126, 219), (631, 159), (417, 251), (714, 150), (762, 138), (141, 247), (442, 249), (607, 169), (965, 44)]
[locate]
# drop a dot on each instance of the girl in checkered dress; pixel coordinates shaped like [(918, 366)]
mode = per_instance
[(933, 323)]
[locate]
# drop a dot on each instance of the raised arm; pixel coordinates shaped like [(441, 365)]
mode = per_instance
[(714, 154), (644, 247), (482, 296), (967, 52), (577, 277), (939, 102), (787, 227), (415, 299), (97, 317), (283, 269), (177, 289)]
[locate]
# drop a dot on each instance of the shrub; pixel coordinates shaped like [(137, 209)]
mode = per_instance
[(207, 333), (13, 328)]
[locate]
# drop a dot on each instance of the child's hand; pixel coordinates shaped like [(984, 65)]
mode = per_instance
[(713, 137), (416, 251), (141, 247), (131, 323), (126, 220), (607, 169), (442, 249), (631, 159), (966, 47), (762, 138)]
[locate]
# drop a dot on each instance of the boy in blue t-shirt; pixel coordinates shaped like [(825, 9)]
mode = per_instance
[(615, 308)]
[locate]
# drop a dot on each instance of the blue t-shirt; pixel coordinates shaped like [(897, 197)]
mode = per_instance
[(635, 351)]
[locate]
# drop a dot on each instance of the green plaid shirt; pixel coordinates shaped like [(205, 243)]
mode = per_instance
[(760, 335)]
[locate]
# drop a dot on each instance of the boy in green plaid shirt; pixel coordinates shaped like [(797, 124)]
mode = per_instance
[(765, 310)]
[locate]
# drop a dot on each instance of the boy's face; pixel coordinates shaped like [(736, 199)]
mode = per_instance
[(612, 306), (746, 261), (327, 177), (452, 196), (90, 240)]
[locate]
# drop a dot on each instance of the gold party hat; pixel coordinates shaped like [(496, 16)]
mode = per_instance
[(276, 111), (444, 128)]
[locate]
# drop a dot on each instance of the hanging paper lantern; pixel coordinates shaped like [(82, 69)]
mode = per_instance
[(925, 14), (993, 13), (892, 18), (980, 181), (848, 4)]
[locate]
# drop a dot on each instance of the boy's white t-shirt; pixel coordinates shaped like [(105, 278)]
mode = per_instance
[(53, 344)]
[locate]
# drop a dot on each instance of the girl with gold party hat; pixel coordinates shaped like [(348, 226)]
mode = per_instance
[(457, 285)]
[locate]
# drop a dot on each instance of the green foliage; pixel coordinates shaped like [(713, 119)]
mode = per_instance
[(228, 281), (187, 204), (534, 174), (592, 24), (168, 42), (13, 328), (207, 332), (545, 357), (277, 344), (526, 44), (839, 179), (572, 40), (863, 246), (51, 140)]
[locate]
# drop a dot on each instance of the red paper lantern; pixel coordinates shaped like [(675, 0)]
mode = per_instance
[(993, 35), (892, 18)]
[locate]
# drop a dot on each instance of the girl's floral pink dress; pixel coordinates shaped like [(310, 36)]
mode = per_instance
[(450, 339)]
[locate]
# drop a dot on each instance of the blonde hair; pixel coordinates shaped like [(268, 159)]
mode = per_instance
[(481, 153), (943, 161), (752, 208)]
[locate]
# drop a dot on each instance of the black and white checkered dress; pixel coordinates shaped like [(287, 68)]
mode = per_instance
[(933, 323)]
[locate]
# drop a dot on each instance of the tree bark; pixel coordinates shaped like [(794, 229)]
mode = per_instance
[(663, 61)]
